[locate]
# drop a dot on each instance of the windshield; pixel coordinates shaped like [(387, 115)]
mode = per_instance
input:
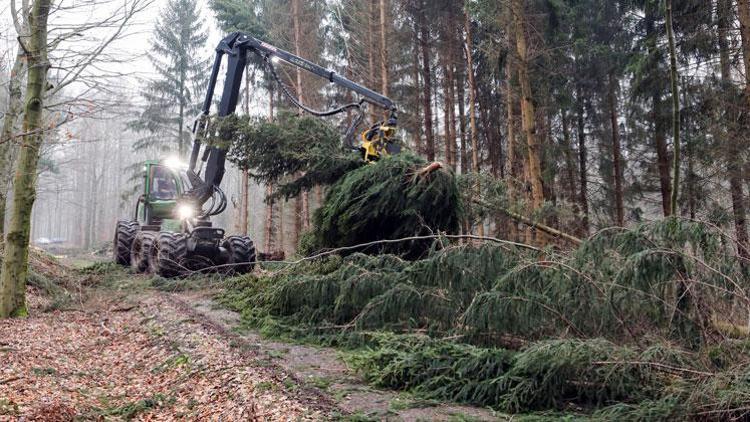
[(163, 185)]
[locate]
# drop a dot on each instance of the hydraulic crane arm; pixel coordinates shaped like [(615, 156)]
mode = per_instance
[(235, 47)]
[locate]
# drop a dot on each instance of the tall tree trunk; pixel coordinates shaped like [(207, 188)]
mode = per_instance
[(418, 141), (449, 139), (302, 208), (528, 114), (7, 142), (616, 151), (582, 162), (461, 96), (660, 138), (743, 12), (424, 44), (384, 77), (570, 183), (450, 57), (468, 50), (512, 152), (15, 262), (675, 110), (245, 201), (734, 163)]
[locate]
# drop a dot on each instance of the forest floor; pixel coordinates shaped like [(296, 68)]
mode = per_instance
[(124, 347)]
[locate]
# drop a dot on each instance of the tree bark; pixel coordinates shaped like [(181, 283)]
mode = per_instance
[(245, 201), (570, 184), (15, 262), (383, 48), (512, 161), (7, 142), (472, 95), (734, 165), (424, 44), (675, 110), (461, 96), (582, 162), (528, 114), (616, 151), (449, 139), (468, 49), (743, 12), (418, 142), (302, 208), (662, 156)]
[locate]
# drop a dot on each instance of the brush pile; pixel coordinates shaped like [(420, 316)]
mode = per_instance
[(635, 324), (395, 197)]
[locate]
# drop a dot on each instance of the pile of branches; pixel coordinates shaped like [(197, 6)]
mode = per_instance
[(634, 323), (393, 198)]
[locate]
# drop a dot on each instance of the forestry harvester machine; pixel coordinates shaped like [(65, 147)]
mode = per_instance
[(171, 233)]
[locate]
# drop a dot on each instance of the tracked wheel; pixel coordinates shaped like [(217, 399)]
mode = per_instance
[(140, 251), (168, 254), (125, 232), (241, 254)]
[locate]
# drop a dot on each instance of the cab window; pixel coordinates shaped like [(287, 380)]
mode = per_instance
[(163, 184)]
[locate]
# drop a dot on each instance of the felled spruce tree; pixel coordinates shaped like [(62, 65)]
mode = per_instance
[(394, 198)]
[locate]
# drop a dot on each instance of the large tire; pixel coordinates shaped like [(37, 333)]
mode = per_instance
[(168, 254), (140, 252), (124, 233), (241, 254)]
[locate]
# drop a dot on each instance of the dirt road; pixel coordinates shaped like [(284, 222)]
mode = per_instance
[(155, 356)]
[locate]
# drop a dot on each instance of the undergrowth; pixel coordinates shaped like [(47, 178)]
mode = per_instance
[(631, 325)]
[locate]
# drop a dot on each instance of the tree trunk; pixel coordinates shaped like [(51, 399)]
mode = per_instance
[(662, 156), (733, 159), (418, 142), (570, 184), (424, 44), (743, 12), (245, 201), (449, 139), (384, 77), (582, 162), (528, 114), (7, 142), (15, 261), (616, 154), (268, 227), (461, 95), (468, 49), (302, 208), (675, 110), (512, 161)]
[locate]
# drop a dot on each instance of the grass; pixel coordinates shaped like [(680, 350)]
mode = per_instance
[(8, 407), (321, 383), (175, 361), (44, 371), (131, 410)]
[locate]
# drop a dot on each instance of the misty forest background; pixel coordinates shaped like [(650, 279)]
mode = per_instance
[(565, 108)]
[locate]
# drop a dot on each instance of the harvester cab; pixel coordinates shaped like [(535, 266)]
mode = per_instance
[(170, 233)]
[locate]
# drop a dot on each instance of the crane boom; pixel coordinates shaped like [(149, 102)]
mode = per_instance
[(236, 46)]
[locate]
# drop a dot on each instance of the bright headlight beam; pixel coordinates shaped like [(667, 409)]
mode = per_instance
[(174, 162), (185, 211)]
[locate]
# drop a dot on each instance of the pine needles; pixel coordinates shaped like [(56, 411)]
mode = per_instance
[(393, 198), (627, 326)]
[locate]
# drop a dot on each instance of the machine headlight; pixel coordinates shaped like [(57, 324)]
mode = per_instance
[(185, 211), (174, 163)]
